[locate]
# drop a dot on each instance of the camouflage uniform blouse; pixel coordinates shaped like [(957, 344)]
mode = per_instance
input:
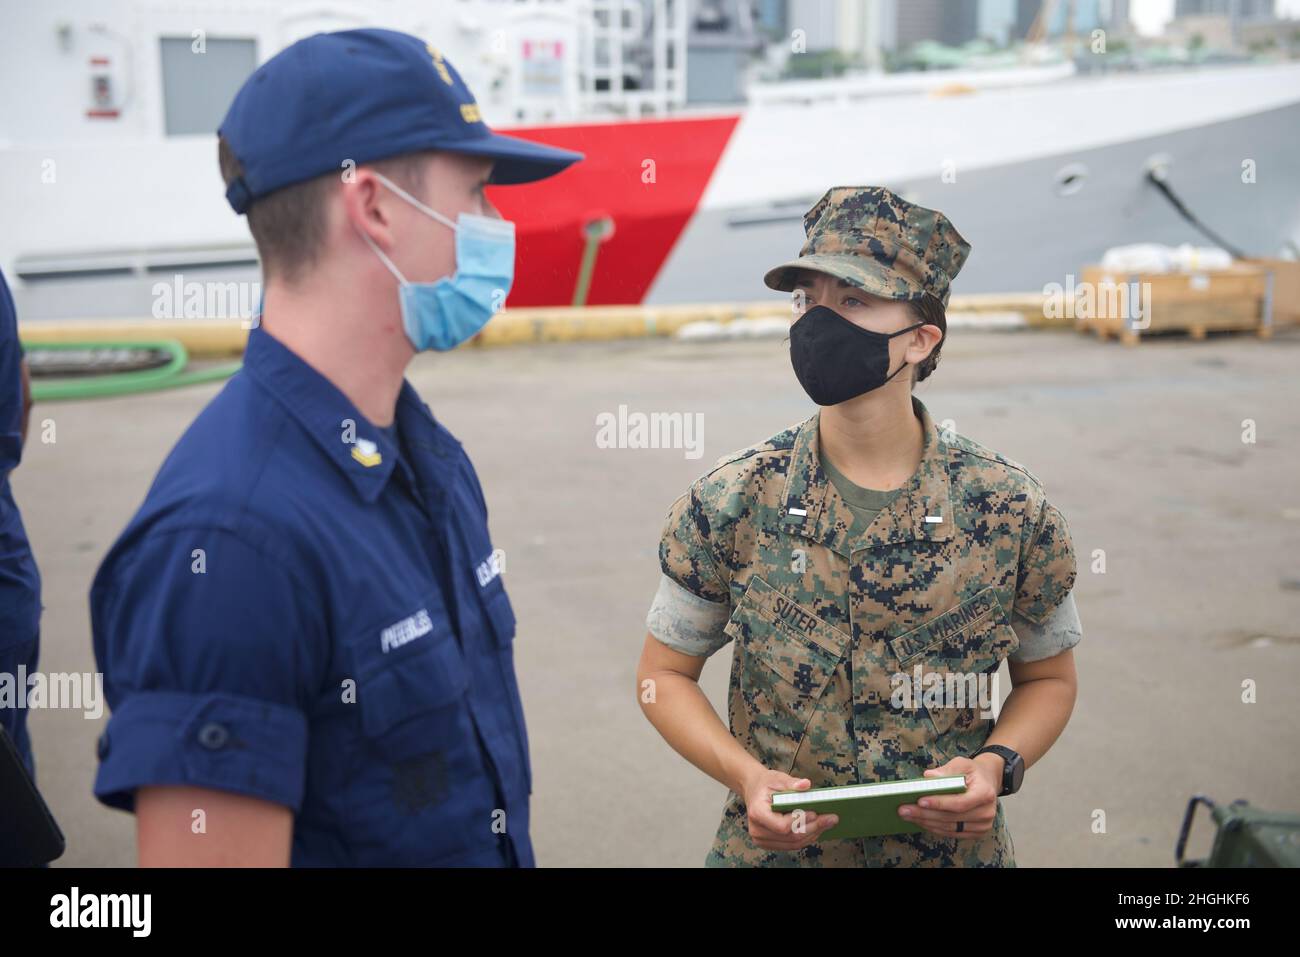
[(823, 622)]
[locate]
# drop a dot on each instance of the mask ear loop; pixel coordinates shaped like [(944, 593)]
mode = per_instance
[(427, 210), (905, 362), (401, 280), (418, 205)]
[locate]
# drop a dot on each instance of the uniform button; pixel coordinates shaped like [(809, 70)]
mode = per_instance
[(213, 736), (101, 746)]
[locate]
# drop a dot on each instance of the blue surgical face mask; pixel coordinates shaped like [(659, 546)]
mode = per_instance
[(441, 315)]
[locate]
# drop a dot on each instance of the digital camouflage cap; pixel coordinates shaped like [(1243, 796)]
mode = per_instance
[(878, 241)]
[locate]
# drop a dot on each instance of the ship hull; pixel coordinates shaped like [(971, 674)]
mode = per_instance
[(702, 205), (1024, 234)]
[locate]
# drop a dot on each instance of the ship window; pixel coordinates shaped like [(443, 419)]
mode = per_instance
[(198, 87)]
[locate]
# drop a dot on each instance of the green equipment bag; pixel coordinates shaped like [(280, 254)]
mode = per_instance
[(1247, 836)]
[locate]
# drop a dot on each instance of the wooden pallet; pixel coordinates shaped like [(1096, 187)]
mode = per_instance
[(1286, 288), (1132, 305)]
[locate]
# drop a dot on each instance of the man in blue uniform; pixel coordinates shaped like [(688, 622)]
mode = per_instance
[(305, 640), (20, 582)]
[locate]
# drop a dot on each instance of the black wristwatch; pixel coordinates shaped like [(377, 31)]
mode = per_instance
[(1013, 767)]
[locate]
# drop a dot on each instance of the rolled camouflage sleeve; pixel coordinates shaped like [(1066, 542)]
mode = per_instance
[(1060, 632), (691, 608), (1047, 566)]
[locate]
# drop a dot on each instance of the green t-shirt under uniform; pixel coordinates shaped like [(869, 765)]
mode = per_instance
[(864, 503)]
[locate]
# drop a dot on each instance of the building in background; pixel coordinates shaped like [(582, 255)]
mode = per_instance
[(1210, 31), (863, 30), (952, 22), (857, 30), (722, 37), (997, 21), (1279, 37), (1026, 13), (1119, 20), (1235, 10), (1109, 15), (1217, 24), (821, 25), (1086, 18), (771, 17)]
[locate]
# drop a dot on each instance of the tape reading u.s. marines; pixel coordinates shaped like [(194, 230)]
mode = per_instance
[(948, 624)]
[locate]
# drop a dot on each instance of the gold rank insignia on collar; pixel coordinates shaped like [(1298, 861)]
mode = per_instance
[(367, 453)]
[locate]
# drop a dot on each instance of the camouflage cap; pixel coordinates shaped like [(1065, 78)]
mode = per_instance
[(878, 241)]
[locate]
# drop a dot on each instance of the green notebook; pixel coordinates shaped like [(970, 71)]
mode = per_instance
[(867, 810)]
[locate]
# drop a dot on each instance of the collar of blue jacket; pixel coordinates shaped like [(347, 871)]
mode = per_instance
[(362, 451)]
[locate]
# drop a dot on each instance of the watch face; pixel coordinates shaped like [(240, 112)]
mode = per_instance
[(1017, 769)]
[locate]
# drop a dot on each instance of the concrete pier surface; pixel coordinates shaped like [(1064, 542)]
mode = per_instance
[(1141, 448)]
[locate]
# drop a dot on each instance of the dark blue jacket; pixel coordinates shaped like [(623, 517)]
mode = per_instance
[(304, 613), (20, 582)]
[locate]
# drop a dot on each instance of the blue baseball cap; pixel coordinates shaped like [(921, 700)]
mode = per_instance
[(362, 95)]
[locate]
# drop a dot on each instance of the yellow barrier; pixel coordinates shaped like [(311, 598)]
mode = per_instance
[(225, 337), (200, 337)]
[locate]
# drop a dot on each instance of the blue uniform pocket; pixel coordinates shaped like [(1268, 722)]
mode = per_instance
[(411, 668), (419, 790)]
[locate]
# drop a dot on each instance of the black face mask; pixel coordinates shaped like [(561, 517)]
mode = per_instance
[(836, 360)]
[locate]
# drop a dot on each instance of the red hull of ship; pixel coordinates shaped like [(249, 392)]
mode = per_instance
[(646, 175)]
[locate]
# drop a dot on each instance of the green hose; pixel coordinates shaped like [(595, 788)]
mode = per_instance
[(169, 376)]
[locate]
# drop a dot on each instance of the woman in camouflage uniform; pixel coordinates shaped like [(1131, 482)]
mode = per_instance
[(858, 557)]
